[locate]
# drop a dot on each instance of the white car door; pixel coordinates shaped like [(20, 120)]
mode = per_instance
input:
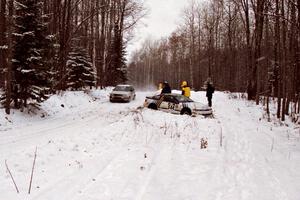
[(164, 105), (168, 103)]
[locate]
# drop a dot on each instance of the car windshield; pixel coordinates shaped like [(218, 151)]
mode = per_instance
[(123, 88), (156, 97), (182, 98)]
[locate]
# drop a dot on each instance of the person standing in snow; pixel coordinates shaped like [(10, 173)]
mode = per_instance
[(186, 90), (209, 91), (166, 88), (160, 86)]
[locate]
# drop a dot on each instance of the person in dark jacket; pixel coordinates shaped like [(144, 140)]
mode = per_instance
[(166, 88), (209, 91)]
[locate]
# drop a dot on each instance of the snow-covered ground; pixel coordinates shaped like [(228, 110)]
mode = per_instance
[(90, 149)]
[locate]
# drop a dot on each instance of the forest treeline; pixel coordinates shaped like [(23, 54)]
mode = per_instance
[(48, 46), (243, 45)]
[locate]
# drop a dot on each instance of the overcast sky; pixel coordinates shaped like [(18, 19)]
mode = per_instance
[(163, 18)]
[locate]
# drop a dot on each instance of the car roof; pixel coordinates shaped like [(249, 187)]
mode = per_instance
[(121, 85), (172, 94), (176, 95), (169, 94)]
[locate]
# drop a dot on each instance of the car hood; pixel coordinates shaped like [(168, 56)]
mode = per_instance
[(120, 92)]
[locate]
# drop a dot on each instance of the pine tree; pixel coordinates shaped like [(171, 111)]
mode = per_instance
[(80, 70), (53, 62), (117, 69), (121, 69), (30, 66)]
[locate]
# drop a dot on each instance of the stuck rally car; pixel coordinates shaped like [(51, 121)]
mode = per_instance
[(177, 104)]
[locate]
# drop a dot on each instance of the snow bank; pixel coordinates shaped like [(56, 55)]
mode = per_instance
[(62, 105)]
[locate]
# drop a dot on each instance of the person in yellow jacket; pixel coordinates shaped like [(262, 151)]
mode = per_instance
[(160, 86), (186, 90)]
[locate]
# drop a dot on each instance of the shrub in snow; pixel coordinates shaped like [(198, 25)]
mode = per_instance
[(204, 143)]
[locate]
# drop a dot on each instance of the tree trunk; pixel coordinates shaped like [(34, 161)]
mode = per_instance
[(9, 57), (3, 51), (259, 24), (298, 52), (284, 63), (245, 6), (277, 58)]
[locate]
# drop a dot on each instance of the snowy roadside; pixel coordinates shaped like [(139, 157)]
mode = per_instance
[(69, 104), (97, 150)]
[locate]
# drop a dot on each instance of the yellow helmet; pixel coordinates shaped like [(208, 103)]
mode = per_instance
[(183, 84)]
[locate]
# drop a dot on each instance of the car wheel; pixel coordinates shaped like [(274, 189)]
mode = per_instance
[(153, 106), (186, 111)]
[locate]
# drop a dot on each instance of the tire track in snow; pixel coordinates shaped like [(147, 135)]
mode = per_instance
[(133, 177), (24, 132), (44, 131), (83, 182), (41, 137), (261, 168), (238, 155), (78, 180), (248, 173), (55, 129), (154, 166)]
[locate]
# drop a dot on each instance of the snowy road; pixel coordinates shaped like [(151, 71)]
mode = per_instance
[(90, 149)]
